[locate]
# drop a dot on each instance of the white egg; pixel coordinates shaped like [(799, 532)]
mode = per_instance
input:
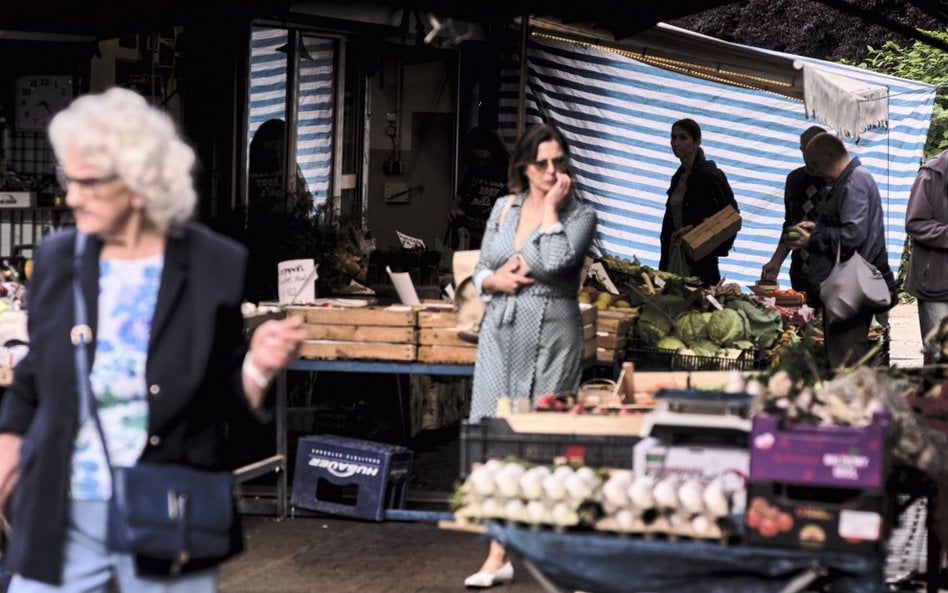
[(531, 485), (491, 508), (537, 513), (554, 488), (666, 493), (589, 476), (625, 519), (482, 483), (690, 496), (507, 484), (577, 488), (701, 525), (515, 510), (562, 515), (716, 499), (640, 493), (616, 490)]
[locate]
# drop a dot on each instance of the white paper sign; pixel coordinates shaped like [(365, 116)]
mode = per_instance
[(404, 287), (598, 273), (409, 242), (296, 281)]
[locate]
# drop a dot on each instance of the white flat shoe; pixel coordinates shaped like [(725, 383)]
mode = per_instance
[(483, 580)]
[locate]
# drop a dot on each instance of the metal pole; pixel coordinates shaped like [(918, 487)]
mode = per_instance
[(293, 45), (522, 95)]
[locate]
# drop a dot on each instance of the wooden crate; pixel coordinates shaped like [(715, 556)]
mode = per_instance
[(364, 333), (700, 241), (612, 332), (589, 315), (438, 341)]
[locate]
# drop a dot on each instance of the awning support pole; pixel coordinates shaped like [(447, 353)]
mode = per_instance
[(522, 95)]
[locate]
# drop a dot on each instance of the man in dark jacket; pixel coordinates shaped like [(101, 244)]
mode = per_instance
[(802, 193), (926, 222), (849, 220)]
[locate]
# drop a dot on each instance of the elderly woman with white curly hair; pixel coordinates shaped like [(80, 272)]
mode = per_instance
[(168, 356)]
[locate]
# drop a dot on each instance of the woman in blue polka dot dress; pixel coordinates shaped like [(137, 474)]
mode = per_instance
[(531, 336)]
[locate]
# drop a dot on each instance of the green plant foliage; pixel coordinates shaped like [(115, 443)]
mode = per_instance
[(923, 63)]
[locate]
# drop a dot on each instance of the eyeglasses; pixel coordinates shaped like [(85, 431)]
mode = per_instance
[(560, 163), (84, 183)]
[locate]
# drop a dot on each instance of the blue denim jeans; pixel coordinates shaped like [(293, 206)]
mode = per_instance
[(89, 566), (930, 313)]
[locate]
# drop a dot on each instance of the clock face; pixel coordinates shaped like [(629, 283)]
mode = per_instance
[(38, 98)]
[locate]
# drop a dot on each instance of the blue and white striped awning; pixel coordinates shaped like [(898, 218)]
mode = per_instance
[(617, 113), (316, 101)]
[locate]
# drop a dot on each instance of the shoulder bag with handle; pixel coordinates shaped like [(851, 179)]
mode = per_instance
[(852, 286), (470, 306), (165, 512)]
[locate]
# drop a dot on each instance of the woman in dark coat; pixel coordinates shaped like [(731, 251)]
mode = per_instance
[(698, 190)]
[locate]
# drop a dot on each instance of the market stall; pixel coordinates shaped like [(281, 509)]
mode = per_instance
[(824, 467)]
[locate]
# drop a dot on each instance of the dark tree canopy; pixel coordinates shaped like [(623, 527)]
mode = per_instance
[(807, 27)]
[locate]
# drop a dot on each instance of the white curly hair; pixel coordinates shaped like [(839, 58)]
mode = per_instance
[(121, 133)]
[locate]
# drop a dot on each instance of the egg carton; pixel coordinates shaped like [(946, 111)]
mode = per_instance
[(668, 527)]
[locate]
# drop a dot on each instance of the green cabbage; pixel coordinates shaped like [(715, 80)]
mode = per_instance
[(705, 348), (727, 326), (691, 327), (670, 343), (652, 326)]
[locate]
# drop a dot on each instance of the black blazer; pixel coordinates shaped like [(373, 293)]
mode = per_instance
[(192, 372)]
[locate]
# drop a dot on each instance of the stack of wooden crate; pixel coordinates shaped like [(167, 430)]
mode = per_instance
[(612, 331), (589, 316), (358, 333), (438, 341)]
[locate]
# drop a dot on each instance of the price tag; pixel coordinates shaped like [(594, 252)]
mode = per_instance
[(598, 273), (409, 242), (714, 302)]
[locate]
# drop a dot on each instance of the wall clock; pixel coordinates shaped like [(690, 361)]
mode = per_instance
[(38, 98)]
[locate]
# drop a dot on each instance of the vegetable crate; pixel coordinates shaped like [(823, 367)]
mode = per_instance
[(700, 241), (494, 438), (612, 331), (816, 518), (589, 316), (659, 359), (438, 340), (363, 333)]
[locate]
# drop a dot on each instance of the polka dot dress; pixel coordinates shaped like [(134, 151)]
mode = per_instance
[(531, 343)]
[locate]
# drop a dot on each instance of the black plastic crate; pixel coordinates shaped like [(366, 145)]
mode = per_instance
[(648, 358), (493, 438)]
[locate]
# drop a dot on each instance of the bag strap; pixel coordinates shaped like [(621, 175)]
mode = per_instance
[(81, 336), (503, 213)]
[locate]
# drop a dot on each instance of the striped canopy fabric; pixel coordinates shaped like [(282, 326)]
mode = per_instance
[(617, 114), (316, 101)]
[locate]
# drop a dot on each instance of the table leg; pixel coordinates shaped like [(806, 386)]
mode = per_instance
[(280, 427)]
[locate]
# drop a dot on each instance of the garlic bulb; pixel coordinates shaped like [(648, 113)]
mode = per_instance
[(577, 488)]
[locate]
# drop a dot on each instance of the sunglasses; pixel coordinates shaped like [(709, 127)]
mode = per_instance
[(560, 163)]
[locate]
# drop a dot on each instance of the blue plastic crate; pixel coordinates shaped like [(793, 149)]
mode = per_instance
[(350, 477)]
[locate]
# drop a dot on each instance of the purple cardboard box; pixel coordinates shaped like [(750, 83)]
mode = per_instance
[(845, 456)]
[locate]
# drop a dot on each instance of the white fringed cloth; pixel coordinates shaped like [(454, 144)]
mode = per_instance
[(847, 105)]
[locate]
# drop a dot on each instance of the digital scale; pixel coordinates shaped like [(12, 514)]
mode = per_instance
[(690, 417)]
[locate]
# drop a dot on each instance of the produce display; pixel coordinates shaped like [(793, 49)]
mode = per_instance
[(675, 316)]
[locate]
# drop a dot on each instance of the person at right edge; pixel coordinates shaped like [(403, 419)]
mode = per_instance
[(531, 337), (926, 222), (698, 190), (802, 193), (849, 218)]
